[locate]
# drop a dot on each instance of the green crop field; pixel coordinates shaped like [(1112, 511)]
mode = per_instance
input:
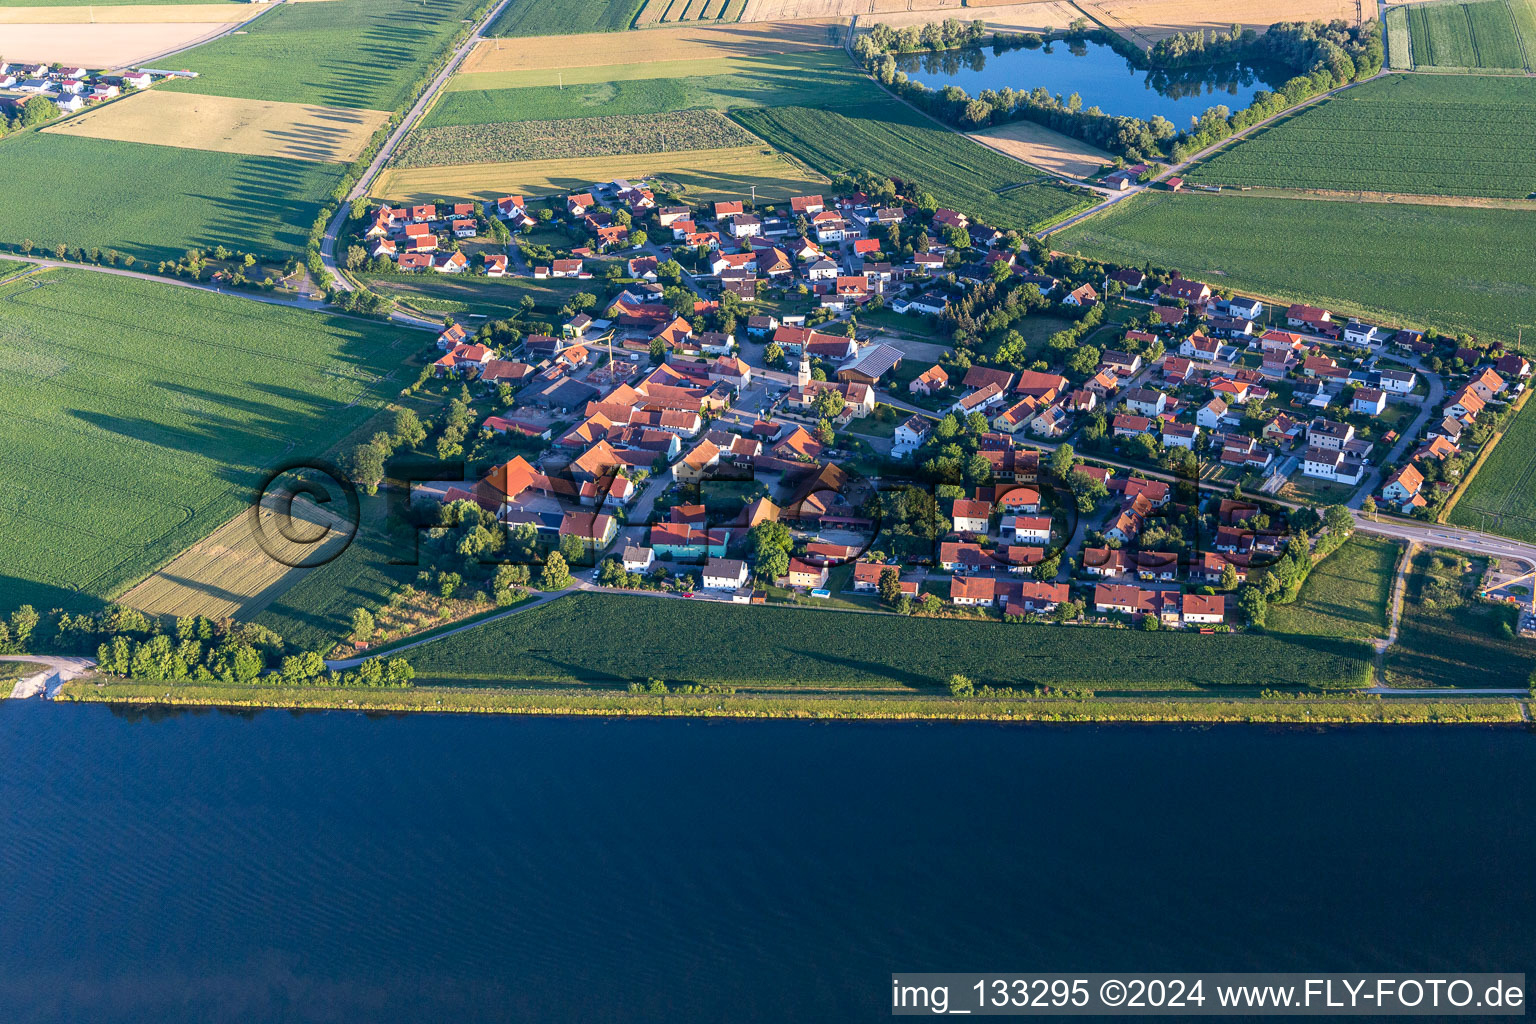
[(347, 53), (1346, 595), (569, 139), (1398, 40), (1448, 638), (1394, 135), (1502, 496), (1481, 34), (567, 641), (158, 201), (568, 17), (496, 297), (891, 139), (1455, 268), (139, 416), (798, 79)]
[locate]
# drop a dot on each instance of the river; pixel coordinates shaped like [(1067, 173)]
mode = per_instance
[(276, 866)]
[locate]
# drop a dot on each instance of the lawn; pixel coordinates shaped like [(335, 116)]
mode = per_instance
[(568, 17), (1392, 135), (1347, 594), (139, 416), (889, 138), (805, 79), (1501, 498), (1482, 34), (346, 53), (1455, 268), (157, 201), (569, 642), (1449, 638)]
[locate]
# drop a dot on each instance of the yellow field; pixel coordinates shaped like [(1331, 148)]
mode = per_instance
[(1006, 16), (684, 43), (1040, 147), (1144, 22), (793, 10), (156, 14), (105, 46), (221, 124), (704, 174), (229, 575)]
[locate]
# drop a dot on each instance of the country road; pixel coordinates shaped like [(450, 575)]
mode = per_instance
[(418, 109)]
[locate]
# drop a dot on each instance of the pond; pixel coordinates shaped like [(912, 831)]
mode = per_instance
[(1102, 77)]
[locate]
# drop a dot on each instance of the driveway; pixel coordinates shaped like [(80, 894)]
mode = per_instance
[(55, 672)]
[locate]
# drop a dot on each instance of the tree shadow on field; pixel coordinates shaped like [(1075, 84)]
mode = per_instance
[(44, 598)]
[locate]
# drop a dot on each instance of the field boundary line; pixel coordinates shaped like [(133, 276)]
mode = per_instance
[(1525, 51)]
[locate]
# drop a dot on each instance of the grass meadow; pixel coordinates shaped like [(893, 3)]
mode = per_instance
[(1455, 268), (1447, 638), (1501, 498), (1346, 595), (158, 201), (1481, 34), (346, 53), (570, 641), (139, 417), (889, 137), (1393, 135)]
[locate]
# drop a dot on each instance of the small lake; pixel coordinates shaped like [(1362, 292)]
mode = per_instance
[(209, 866), (1102, 77)]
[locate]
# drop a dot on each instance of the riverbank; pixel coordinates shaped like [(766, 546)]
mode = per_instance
[(1305, 710)]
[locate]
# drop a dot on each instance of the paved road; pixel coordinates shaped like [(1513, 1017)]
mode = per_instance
[(56, 671), (333, 229)]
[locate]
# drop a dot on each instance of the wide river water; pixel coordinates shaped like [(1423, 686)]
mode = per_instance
[(339, 867)]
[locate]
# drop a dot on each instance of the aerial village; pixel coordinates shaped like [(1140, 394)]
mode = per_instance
[(67, 89), (794, 403)]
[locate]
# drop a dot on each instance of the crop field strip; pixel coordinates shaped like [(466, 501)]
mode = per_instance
[(1421, 134), (1144, 22), (139, 417), (1452, 267), (1496, 35), (509, 142), (666, 44), (891, 138), (1501, 498), (564, 17), (704, 175), (785, 648)]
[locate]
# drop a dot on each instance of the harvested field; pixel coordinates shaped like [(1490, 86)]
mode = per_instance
[(659, 12), (1040, 147), (1042, 16), (106, 46), (229, 574), (506, 142), (791, 10), (693, 43), (135, 14), (801, 66), (223, 124), (1144, 22), (704, 175)]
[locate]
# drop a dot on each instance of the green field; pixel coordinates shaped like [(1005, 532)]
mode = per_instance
[(1346, 595), (347, 53), (1502, 496), (140, 415), (496, 297), (568, 17), (574, 641), (890, 138), (1482, 34), (804, 79), (1446, 638), (158, 201), (1455, 268), (1394, 135), (1399, 55), (506, 142)]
